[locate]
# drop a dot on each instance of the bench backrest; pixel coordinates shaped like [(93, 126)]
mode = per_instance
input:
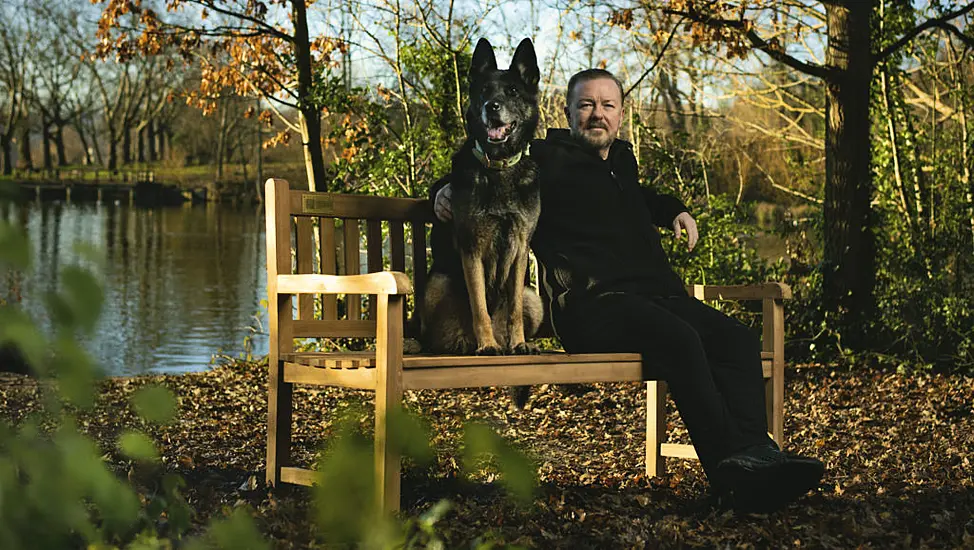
[(323, 234)]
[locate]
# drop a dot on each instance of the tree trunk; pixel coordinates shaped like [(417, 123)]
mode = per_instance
[(141, 145), (8, 155), (221, 141), (151, 140), (849, 244), (112, 154), (62, 159), (310, 114), (260, 156), (80, 127), (162, 141), (46, 144), (99, 158), (126, 145), (26, 160)]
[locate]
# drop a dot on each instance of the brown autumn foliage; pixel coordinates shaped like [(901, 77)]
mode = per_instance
[(896, 447)]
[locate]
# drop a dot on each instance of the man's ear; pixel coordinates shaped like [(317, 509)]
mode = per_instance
[(568, 115), (483, 59), (525, 64)]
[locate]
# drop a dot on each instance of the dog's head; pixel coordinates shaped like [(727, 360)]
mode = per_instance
[(503, 111)]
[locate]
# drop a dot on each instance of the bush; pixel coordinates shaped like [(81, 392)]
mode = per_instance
[(58, 491)]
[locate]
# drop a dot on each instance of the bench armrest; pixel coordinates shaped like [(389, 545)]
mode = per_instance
[(741, 292), (382, 282)]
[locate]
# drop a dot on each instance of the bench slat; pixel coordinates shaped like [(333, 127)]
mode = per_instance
[(305, 264), (419, 263), (422, 361), (373, 251), (303, 203), (332, 328), (353, 302), (523, 374), (329, 266), (451, 363), (678, 450), (397, 251), (298, 476), (359, 379)]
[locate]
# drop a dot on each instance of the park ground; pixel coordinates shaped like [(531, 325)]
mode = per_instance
[(897, 447)]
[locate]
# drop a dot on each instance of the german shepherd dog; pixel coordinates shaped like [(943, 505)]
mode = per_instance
[(479, 302)]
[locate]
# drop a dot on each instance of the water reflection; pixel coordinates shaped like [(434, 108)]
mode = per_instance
[(181, 284)]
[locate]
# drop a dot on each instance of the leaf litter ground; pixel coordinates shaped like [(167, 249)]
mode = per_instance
[(897, 449)]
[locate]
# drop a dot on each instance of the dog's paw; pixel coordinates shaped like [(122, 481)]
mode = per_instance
[(525, 348), (411, 346), (487, 350)]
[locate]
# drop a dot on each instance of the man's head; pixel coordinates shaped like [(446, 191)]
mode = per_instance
[(594, 108)]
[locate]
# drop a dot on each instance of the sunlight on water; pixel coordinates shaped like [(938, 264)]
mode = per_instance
[(181, 284)]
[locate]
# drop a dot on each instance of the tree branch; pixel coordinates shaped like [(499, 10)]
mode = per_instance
[(939, 22), (659, 57), (772, 50)]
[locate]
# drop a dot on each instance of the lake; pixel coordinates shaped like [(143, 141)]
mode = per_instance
[(181, 284)]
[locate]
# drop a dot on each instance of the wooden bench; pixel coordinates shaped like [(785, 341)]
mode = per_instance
[(332, 270)]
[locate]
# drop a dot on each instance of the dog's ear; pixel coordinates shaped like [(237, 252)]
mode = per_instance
[(525, 64), (483, 59)]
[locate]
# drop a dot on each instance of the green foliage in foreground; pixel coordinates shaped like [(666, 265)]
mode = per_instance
[(58, 491)]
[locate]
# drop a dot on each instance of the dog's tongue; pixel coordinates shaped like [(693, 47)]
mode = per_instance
[(497, 133)]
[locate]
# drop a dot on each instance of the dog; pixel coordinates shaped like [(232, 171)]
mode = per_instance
[(476, 300)]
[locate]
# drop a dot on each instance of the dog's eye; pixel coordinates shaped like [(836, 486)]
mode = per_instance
[(512, 90)]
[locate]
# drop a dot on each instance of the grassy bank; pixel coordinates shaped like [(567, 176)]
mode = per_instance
[(896, 447)]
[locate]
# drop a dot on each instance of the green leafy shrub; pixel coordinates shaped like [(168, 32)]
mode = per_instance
[(58, 491)]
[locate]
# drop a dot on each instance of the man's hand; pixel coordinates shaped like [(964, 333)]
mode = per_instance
[(443, 208), (685, 221)]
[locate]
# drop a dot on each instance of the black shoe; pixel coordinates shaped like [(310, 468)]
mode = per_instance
[(762, 479)]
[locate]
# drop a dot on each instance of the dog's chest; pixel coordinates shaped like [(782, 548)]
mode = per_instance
[(491, 202)]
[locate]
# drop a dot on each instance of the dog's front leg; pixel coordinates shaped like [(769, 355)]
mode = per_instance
[(515, 296), (473, 275)]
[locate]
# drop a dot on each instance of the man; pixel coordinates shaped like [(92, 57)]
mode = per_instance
[(612, 289)]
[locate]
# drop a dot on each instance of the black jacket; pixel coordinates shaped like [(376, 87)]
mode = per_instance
[(597, 232)]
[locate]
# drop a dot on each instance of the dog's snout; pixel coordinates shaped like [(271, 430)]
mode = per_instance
[(493, 106)]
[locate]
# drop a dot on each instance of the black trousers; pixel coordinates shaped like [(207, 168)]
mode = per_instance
[(711, 362)]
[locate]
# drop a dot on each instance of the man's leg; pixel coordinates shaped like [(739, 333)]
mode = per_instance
[(759, 476), (734, 353), (673, 351)]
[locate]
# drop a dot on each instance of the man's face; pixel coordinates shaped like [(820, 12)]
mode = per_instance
[(595, 113)]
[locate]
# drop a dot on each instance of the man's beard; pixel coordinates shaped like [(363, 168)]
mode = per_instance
[(597, 141)]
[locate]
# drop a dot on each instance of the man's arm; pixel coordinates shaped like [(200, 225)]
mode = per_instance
[(669, 211), (664, 208)]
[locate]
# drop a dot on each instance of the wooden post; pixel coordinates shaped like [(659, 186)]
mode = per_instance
[(388, 397), (280, 316), (773, 340), (655, 427)]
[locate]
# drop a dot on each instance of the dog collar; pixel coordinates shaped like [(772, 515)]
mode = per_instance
[(498, 164)]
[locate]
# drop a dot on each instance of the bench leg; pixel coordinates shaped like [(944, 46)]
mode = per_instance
[(278, 422), (774, 341), (655, 427), (388, 399)]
